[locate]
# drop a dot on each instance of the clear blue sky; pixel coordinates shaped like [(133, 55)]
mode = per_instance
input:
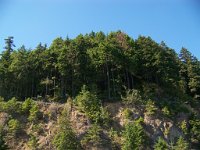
[(176, 22)]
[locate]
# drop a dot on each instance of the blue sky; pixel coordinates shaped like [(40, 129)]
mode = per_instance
[(176, 22)]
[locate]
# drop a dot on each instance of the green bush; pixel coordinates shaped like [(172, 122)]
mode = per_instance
[(65, 138), (150, 107), (133, 136), (132, 97), (114, 137), (34, 113), (195, 130), (12, 106), (88, 103), (33, 142), (104, 117), (181, 144), (161, 144), (1, 99), (14, 127), (166, 111), (127, 113), (183, 126), (1, 104), (92, 136), (27, 105), (3, 145), (37, 128)]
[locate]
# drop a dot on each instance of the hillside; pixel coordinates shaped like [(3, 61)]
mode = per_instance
[(99, 92), (40, 131)]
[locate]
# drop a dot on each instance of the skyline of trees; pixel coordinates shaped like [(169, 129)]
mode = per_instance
[(105, 63)]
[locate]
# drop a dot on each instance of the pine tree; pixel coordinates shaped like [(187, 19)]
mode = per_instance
[(133, 136), (181, 144), (3, 145), (161, 144)]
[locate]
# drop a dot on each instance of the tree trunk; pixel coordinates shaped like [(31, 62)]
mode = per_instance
[(113, 82), (132, 82), (108, 79), (127, 79)]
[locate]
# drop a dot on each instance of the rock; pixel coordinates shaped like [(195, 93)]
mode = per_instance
[(4, 117), (166, 129)]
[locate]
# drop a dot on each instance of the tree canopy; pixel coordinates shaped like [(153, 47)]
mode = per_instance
[(106, 63)]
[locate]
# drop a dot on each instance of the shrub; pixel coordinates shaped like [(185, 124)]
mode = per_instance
[(127, 113), (150, 107), (37, 128), (195, 130), (14, 126), (115, 139), (27, 105), (88, 103), (34, 113), (3, 145), (65, 138), (161, 144), (33, 142), (166, 111), (132, 97), (181, 144), (133, 136), (2, 104), (12, 106), (183, 127), (93, 136), (1, 99), (104, 117)]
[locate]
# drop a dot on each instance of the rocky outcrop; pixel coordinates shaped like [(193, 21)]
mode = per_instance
[(4, 117), (162, 127)]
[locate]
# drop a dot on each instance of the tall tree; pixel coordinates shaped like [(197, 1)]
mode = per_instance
[(190, 72)]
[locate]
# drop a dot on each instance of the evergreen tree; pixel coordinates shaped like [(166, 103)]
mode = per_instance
[(65, 138), (3, 145), (161, 144), (181, 144), (133, 136)]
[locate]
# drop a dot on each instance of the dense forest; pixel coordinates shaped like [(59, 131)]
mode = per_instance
[(105, 63), (95, 71)]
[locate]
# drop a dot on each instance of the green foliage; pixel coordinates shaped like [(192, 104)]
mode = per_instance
[(166, 111), (104, 117), (65, 140), (190, 73), (93, 135), (88, 103), (132, 97), (65, 137), (33, 142), (14, 127), (105, 63), (115, 139), (161, 144), (127, 113), (181, 144), (195, 130), (133, 136), (27, 105), (12, 106), (150, 107), (2, 104), (184, 127), (37, 128), (3, 145), (34, 113)]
